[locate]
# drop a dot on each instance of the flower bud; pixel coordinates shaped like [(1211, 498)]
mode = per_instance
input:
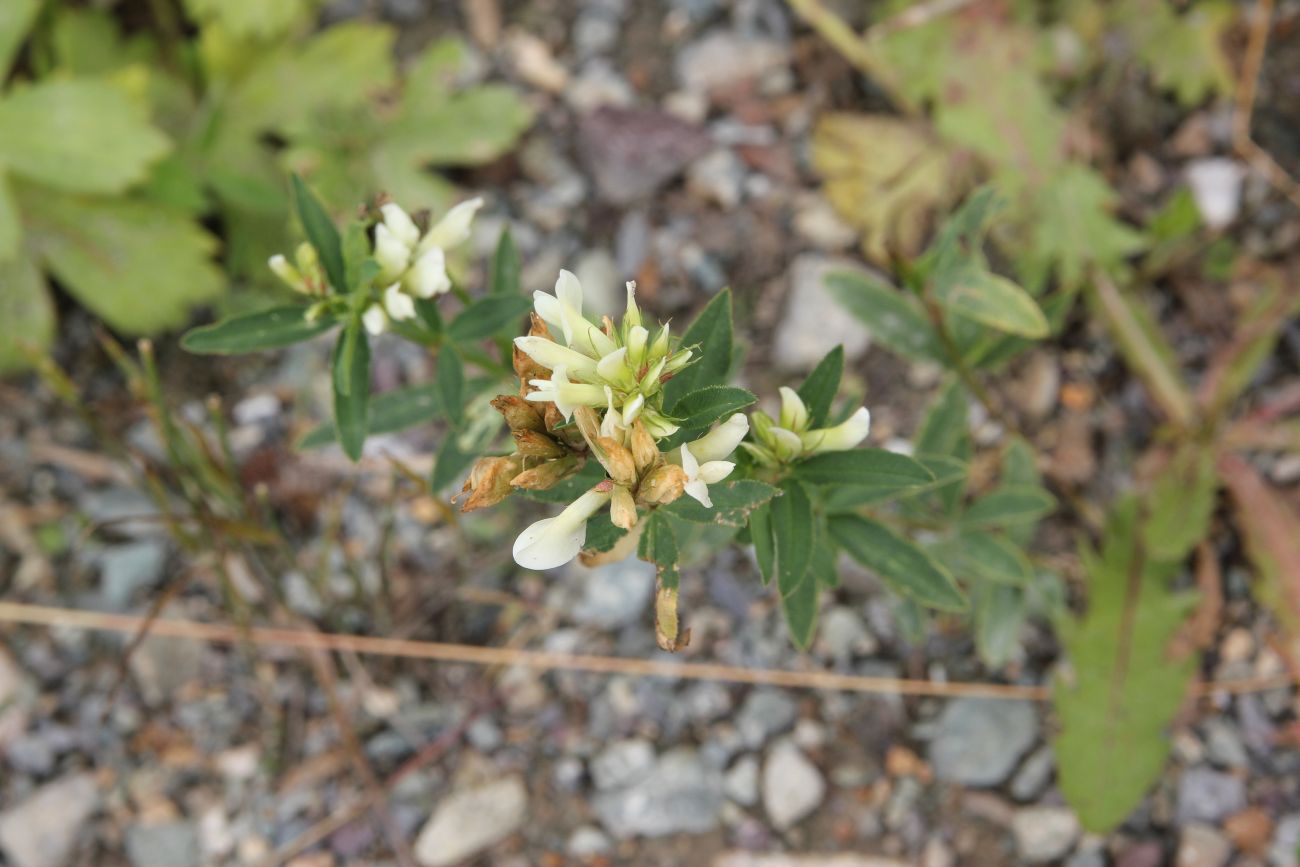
[(622, 509), (644, 451), (547, 475), (519, 413), (662, 486), (489, 481), (617, 460), (537, 445)]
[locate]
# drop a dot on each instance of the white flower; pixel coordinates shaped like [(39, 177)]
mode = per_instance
[(552, 542), (841, 437), (794, 415), (552, 355), (281, 268), (399, 225), (722, 440), (700, 475), (398, 304), (420, 263), (453, 228), (391, 253), (428, 276), (567, 396), (375, 320)]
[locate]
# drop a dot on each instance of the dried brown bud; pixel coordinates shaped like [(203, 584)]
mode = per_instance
[(616, 459), (538, 445), (588, 422), (662, 486), (644, 450), (489, 481), (546, 475), (519, 414), (622, 511), (525, 367)]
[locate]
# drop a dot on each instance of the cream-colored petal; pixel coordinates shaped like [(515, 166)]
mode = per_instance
[(453, 228), (399, 225), (722, 440)]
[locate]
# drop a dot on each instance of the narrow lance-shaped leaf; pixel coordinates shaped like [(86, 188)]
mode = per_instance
[(760, 536), (506, 269), (904, 567), (894, 318), (866, 467), (1008, 506), (1182, 501), (818, 390), (710, 337), (322, 233), (450, 462), (1122, 689), (1272, 532), (487, 316), (352, 388), (792, 535), (266, 329), (451, 386), (978, 294)]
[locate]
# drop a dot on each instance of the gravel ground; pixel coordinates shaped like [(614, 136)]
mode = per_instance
[(671, 147)]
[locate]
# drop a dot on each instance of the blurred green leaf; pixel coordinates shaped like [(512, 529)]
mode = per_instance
[(900, 564), (894, 318), (506, 277), (26, 311), (760, 536), (450, 463), (1121, 691), (1183, 47), (985, 556), (1181, 502), (322, 233), (266, 329), (487, 316), (389, 412), (352, 388), (78, 135), (733, 503), (978, 294), (1072, 225), (451, 386), (11, 229), (999, 612), (252, 19), (818, 390), (16, 17), (1009, 505), (864, 467)]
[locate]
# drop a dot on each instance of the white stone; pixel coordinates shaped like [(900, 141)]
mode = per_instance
[(16, 695), (469, 821), (1216, 189), (1202, 846), (792, 785), (814, 322), (42, 831), (1045, 833), (722, 60), (781, 859), (741, 782)]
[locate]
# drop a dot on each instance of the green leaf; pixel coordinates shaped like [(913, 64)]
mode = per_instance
[(880, 470), (710, 337), (322, 233), (451, 386), (701, 408), (733, 503), (252, 19), (1181, 503), (800, 609), (473, 127), (999, 612), (982, 555), (450, 463), (391, 411), (138, 266), (506, 276), (352, 388), (266, 329), (792, 535), (1009, 505), (948, 471), (1183, 49), (658, 545), (1122, 689), (83, 136), (16, 17), (487, 316), (11, 228), (946, 431), (760, 536), (818, 390), (895, 319), (602, 535), (1072, 226), (25, 310), (901, 565), (980, 295)]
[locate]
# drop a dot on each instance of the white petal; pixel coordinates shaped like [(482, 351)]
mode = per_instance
[(548, 307), (689, 462), (841, 437), (551, 355), (613, 366), (392, 255), (398, 304), (632, 408), (542, 547), (715, 471), (722, 440), (637, 337), (428, 276), (569, 291), (453, 228), (794, 415), (786, 443), (399, 225), (374, 319), (699, 491), (613, 420), (281, 268)]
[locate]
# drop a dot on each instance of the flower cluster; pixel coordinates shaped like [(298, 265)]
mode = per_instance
[(412, 263), (591, 391), (789, 437)]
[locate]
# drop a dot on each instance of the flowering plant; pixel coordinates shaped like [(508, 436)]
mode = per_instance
[(635, 433)]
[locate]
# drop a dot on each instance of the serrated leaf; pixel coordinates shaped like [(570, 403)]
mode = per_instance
[(16, 17), (894, 318), (818, 390), (733, 502), (487, 316), (83, 136), (710, 336), (322, 233), (878, 469), (999, 612), (26, 311), (252, 19), (886, 176), (266, 329), (351, 376), (1009, 505), (1181, 502), (701, 408), (138, 266), (903, 566), (974, 292), (1271, 529), (469, 128), (1072, 226), (506, 277), (791, 520), (1122, 689), (451, 386), (1183, 49)]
